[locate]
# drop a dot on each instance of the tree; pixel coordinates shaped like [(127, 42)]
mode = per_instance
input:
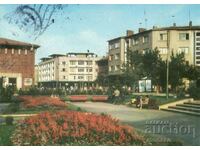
[(177, 66), (152, 65)]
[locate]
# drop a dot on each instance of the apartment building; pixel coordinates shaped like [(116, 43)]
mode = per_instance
[(103, 67), (176, 39), (17, 61), (70, 68)]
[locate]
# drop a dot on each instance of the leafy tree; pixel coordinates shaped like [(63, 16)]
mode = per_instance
[(177, 68)]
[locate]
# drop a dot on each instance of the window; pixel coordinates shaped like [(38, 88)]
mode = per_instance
[(197, 39), (111, 57), (6, 50), (63, 77), (197, 53), (198, 44), (117, 67), (117, 56), (80, 77), (89, 62), (81, 62), (184, 50), (89, 70), (63, 70), (183, 36), (197, 48), (197, 62), (72, 69), (89, 78), (25, 52), (135, 41), (64, 63), (145, 39), (72, 62), (198, 34), (163, 50), (198, 57), (13, 51), (116, 45), (163, 36), (80, 69), (111, 46), (74, 77)]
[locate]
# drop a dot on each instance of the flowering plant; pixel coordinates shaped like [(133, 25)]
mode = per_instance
[(32, 102), (74, 128)]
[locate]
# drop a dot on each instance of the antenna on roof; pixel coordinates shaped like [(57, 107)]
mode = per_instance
[(189, 15), (173, 21), (145, 19)]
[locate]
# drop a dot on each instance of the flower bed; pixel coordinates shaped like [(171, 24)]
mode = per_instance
[(74, 128), (84, 98), (99, 98), (78, 98), (32, 102)]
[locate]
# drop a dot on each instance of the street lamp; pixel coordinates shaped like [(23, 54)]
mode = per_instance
[(167, 75)]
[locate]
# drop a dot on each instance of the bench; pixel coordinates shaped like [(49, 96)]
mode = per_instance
[(99, 98), (78, 98)]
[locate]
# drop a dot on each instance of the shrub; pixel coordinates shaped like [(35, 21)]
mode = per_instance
[(9, 120), (6, 93), (194, 91), (74, 128), (153, 104)]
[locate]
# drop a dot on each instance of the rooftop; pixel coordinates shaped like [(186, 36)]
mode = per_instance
[(174, 27), (9, 42)]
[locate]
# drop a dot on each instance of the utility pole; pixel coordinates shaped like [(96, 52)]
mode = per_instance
[(167, 75)]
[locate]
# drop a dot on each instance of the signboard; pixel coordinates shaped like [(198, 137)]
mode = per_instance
[(141, 85), (28, 81), (144, 85), (148, 85)]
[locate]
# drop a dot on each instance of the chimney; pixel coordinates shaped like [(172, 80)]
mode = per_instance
[(141, 30), (174, 24), (190, 23), (129, 32)]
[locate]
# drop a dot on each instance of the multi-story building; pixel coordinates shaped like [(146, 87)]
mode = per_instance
[(103, 67), (59, 70), (17, 61), (176, 39)]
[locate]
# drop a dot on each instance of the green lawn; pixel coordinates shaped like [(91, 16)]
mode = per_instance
[(5, 133)]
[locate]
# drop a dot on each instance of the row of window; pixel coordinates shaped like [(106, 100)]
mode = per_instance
[(14, 51), (81, 77), (80, 62), (163, 37), (81, 69), (185, 50)]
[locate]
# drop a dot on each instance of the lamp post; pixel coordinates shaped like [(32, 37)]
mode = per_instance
[(167, 73)]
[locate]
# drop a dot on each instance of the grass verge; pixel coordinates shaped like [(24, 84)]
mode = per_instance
[(5, 133)]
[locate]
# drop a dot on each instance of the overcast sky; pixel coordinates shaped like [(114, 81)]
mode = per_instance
[(88, 27)]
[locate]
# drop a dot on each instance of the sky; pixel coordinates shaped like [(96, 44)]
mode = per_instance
[(83, 27)]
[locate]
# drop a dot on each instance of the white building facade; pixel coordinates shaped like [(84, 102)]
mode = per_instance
[(73, 67)]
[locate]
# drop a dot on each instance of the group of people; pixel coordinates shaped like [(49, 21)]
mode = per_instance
[(142, 100)]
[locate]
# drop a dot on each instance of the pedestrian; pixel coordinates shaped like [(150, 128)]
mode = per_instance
[(116, 95)]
